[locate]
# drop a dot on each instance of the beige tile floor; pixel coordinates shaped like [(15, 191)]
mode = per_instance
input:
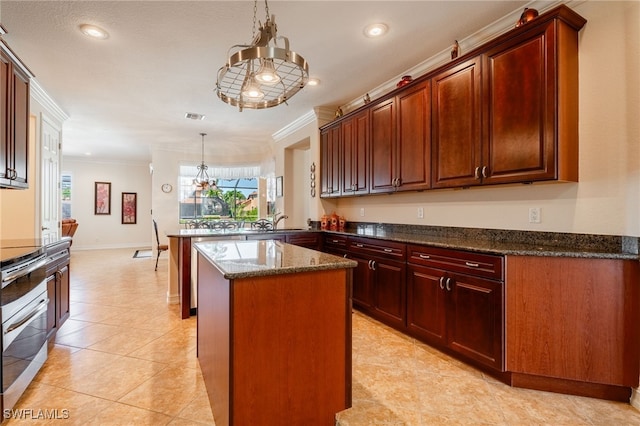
[(126, 358)]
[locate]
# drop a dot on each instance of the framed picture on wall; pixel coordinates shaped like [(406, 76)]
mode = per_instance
[(279, 186), (129, 208), (103, 198)]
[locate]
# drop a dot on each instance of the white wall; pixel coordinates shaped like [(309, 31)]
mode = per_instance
[(107, 231), (607, 198)]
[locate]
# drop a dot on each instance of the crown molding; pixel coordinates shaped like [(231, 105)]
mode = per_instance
[(294, 126), (43, 98)]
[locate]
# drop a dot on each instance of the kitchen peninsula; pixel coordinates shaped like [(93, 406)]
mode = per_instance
[(274, 332)]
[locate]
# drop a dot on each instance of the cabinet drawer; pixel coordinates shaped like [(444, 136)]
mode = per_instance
[(333, 242), (385, 249), (481, 265), (306, 239)]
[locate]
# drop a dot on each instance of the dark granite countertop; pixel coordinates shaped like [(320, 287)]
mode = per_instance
[(503, 242), (491, 241), (251, 258)]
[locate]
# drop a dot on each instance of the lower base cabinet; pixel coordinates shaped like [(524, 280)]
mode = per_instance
[(560, 324), (57, 285), (458, 312)]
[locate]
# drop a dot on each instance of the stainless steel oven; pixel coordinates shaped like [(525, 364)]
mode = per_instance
[(23, 312)]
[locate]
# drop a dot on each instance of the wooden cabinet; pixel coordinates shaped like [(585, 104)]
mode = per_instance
[(58, 284), (383, 153), (456, 140), (506, 112), (355, 155), (401, 141), (330, 161), (574, 319), (462, 312), (14, 122), (510, 114), (413, 139), (310, 240), (379, 279)]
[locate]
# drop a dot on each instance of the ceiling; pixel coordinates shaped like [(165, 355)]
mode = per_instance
[(129, 93)]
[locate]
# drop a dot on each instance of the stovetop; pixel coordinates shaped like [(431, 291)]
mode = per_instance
[(18, 249)]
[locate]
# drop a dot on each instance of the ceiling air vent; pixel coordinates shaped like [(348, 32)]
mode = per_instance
[(194, 116)]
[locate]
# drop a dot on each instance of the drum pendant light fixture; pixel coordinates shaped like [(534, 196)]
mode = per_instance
[(261, 75)]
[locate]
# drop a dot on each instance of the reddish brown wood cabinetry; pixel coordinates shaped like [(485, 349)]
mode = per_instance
[(383, 147), (506, 112), (413, 140), (574, 319), (463, 312), (14, 120), (330, 161), (355, 154), (58, 285), (457, 125), (379, 279)]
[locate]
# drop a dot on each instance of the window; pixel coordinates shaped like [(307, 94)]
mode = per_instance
[(65, 187), (236, 196)]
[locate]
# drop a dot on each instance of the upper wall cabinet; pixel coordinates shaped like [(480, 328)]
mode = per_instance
[(355, 155), (14, 121), (506, 112), (330, 161)]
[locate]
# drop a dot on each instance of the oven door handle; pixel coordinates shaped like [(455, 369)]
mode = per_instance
[(42, 306), (25, 270)]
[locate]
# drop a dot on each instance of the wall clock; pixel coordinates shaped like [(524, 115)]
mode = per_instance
[(167, 188)]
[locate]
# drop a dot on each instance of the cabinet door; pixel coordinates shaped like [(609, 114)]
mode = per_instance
[(5, 91), (362, 297), (355, 155), (20, 155), (330, 161), (520, 84), (426, 314), (309, 240), (456, 133), (62, 296), (414, 138), (383, 153), (475, 319), (389, 295), (51, 307)]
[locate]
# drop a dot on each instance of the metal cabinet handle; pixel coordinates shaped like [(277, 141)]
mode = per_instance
[(476, 173), (448, 284), (471, 264), (359, 245), (370, 264), (441, 283), (373, 265), (335, 241), (424, 256), (485, 172), (388, 250)]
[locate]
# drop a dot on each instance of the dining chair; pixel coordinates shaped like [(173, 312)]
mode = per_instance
[(159, 247)]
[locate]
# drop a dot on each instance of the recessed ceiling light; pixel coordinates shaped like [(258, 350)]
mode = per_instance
[(376, 30), (94, 32), (313, 82)]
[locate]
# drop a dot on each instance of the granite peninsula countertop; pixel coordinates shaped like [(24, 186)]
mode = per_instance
[(252, 258)]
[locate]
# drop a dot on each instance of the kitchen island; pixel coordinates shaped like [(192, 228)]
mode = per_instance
[(274, 332)]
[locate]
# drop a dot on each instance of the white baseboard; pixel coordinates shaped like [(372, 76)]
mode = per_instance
[(173, 299), (635, 398)]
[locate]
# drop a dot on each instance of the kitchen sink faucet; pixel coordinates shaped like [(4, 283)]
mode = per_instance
[(277, 218)]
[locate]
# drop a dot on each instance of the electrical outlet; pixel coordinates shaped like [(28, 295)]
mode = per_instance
[(420, 213), (362, 212), (535, 215)]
